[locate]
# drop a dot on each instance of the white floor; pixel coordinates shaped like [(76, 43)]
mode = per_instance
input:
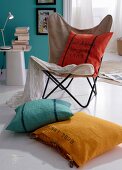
[(18, 152)]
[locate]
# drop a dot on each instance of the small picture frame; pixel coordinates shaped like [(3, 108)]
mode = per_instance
[(45, 2), (42, 15)]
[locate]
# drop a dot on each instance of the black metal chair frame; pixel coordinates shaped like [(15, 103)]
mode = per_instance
[(60, 85)]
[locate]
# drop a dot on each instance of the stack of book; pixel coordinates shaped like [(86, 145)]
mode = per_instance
[(21, 41)]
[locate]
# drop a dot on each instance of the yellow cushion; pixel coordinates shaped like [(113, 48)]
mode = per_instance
[(81, 138)]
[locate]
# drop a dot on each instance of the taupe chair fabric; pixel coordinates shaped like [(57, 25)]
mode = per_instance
[(58, 32)]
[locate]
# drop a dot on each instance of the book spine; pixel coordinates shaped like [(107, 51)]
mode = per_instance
[(21, 34), (21, 29), (21, 42), (20, 47), (23, 38)]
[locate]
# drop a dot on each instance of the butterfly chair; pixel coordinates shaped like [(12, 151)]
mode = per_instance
[(58, 32)]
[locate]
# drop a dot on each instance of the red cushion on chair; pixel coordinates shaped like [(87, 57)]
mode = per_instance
[(85, 48)]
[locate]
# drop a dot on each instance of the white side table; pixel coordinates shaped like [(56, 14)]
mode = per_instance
[(15, 66)]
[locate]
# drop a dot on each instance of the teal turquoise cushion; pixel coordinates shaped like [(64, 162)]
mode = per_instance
[(37, 113)]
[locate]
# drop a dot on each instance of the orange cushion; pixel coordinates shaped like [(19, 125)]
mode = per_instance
[(81, 138), (85, 48)]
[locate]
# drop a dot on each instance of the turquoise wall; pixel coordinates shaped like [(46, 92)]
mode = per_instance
[(25, 15)]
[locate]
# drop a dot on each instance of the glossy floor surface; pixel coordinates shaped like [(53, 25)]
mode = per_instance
[(19, 152)]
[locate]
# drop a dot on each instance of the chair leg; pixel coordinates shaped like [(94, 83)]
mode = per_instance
[(60, 84), (69, 82), (45, 87), (92, 91), (95, 86), (95, 92)]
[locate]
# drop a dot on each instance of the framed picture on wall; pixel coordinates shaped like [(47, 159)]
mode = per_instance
[(45, 2), (42, 15)]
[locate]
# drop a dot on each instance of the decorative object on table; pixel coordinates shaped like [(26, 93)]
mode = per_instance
[(81, 138), (9, 17), (37, 113), (42, 15), (22, 38), (45, 2)]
